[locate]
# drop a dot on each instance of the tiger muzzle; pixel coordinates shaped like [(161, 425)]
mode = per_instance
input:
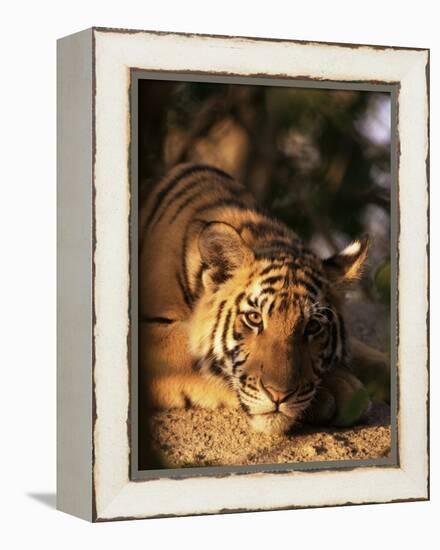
[(277, 396)]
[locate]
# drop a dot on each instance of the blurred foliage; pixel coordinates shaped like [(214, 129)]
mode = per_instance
[(382, 281), (317, 159), (314, 158)]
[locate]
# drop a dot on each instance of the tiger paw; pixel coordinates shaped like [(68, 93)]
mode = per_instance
[(342, 401), (189, 391)]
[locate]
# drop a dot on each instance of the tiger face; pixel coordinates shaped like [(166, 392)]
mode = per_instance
[(269, 323)]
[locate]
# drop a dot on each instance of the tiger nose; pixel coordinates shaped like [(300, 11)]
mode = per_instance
[(277, 396)]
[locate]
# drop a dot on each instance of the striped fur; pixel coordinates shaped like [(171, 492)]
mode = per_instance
[(234, 309)]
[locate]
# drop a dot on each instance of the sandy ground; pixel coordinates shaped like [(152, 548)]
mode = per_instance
[(217, 438), (196, 437)]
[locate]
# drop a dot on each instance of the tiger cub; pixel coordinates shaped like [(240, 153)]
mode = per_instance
[(235, 311)]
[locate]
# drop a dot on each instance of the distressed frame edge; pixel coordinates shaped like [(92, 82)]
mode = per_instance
[(74, 274), (229, 511), (351, 45), (428, 267)]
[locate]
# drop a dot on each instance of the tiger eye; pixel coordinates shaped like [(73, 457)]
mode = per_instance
[(313, 327), (253, 318)]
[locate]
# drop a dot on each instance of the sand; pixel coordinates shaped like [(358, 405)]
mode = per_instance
[(222, 437)]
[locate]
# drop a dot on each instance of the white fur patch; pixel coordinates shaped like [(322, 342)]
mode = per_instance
[(273, 424), (352, 249)]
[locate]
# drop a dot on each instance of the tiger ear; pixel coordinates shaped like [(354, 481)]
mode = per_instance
[(222, 250), (347, 265)]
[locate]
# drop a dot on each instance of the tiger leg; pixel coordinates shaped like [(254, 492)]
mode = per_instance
[(343, 398), (190, 390), (369, 364), (166, 376)]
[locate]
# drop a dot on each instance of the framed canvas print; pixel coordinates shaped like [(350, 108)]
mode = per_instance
[(242, 274)]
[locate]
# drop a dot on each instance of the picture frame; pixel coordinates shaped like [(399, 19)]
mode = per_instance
[(98, 478)]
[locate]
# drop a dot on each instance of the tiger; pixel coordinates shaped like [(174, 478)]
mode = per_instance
[(236, 311)]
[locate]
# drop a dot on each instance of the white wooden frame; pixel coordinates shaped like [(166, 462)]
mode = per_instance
[(94, 277)]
